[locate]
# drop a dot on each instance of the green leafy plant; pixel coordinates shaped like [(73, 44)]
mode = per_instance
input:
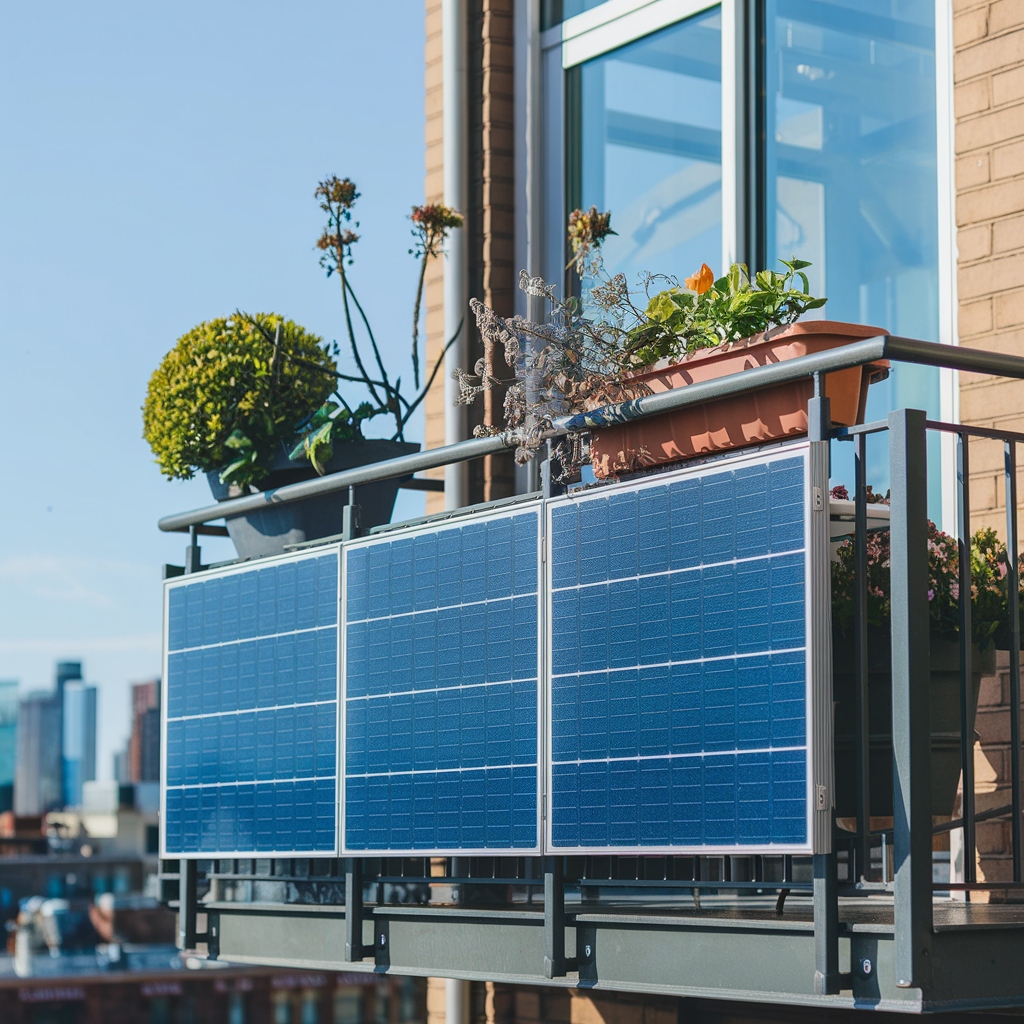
[(681, 320), (233, 390), (229, 390)]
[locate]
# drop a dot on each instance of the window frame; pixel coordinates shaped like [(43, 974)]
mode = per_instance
[(548, 73)]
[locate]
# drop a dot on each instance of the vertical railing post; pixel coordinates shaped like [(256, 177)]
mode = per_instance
[(963, 525), (350, 517), (188, 903), (862, 726), (911, 718), (193, 555), (353, 909), (1013, 607), (819, 635), (554, 918)]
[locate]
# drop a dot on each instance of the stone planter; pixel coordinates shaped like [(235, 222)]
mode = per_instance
[(739, 420), (268, 531), (945, 720)]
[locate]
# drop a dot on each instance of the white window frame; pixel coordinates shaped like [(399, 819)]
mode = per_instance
[(541, 123)]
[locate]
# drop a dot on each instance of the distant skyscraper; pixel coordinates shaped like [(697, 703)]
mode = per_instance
[(79, 733), (38, 783), (122, 766), (8, 738), (144, 745)]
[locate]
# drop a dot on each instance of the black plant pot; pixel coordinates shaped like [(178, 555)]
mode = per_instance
[(270, 530), (944, 706)]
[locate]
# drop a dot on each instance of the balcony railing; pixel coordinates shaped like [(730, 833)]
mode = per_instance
[(845, 894)]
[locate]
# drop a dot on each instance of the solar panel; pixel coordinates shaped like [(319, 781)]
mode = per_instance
[(679, 661), (441, 679), (250, 740)]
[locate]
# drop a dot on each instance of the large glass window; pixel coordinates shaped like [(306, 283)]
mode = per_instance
[(650, 145), (851, 173)]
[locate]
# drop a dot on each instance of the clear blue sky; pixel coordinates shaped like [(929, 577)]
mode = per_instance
[(157, 169)]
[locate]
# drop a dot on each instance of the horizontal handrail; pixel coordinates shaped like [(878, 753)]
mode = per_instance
[(857, 353)]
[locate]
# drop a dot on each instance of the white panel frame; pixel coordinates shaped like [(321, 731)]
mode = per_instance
[(617, 22), (797, 449), (437, 526), (195, 578)]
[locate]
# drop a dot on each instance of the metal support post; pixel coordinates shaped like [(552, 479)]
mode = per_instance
[(862, 722), (193, 561), (819, 629), (911, 718), (963, 525), (554, 918), (1013, 607), (350, 517), (187, 903), (353, 909), (826, 925)]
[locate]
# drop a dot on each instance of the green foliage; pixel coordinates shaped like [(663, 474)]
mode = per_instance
[(679, 321), (226, 395), (330, 424)]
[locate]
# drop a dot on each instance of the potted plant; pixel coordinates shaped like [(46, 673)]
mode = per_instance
[(608, 348), (254, 401), (989, 632)]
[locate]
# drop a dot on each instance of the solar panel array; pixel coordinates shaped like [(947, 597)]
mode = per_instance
[(441, 688), (250, 753), (678, 680)]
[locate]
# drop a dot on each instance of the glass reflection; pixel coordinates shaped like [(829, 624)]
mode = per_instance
[(651, 148), (851, 176)]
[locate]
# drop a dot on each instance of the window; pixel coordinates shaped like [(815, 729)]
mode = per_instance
[(650, 145), (825, 114)]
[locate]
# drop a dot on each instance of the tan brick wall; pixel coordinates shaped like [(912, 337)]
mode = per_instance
[(490, 217), (988, 75), (434, 193)]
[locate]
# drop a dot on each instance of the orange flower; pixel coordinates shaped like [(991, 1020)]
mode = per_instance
[(702, 280)]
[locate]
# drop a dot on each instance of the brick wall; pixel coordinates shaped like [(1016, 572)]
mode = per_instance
[(490, 218), (988, 78)]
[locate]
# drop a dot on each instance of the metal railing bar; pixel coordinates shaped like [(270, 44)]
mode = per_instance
[(682, 883), (963, 492), (989, 815), (433, 458), (1013, 609), (965, 429), (860, 658), (849, 433), (857, 353)]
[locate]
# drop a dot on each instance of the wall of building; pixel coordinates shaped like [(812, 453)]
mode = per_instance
[(489, 218), (988, 75)]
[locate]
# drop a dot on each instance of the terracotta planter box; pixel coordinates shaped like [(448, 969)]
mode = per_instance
[(739, 420)]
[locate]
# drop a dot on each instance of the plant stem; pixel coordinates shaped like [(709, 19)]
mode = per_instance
[(416, 321), (392, 407), (426, 387)]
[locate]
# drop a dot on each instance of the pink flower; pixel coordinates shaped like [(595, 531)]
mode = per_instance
[(954, 589), (1002, 570), (931, 595)]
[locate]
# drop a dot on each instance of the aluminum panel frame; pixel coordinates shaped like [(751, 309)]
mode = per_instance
[(194, 578), (518, 509), (786, 451)]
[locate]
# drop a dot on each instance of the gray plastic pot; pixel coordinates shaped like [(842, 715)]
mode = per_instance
[(270, 530), (944, 689)]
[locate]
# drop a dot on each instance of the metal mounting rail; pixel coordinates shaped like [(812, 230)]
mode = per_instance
[(857, 353)]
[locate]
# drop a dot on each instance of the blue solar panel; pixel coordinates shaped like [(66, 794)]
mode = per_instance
[(250, 752), (678, 688), (441, 677)]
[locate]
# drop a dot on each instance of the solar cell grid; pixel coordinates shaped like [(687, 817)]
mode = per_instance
[(441, 676), (250, 748), (678, 689)]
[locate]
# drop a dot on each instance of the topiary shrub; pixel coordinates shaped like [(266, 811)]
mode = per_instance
[(229, 391)]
